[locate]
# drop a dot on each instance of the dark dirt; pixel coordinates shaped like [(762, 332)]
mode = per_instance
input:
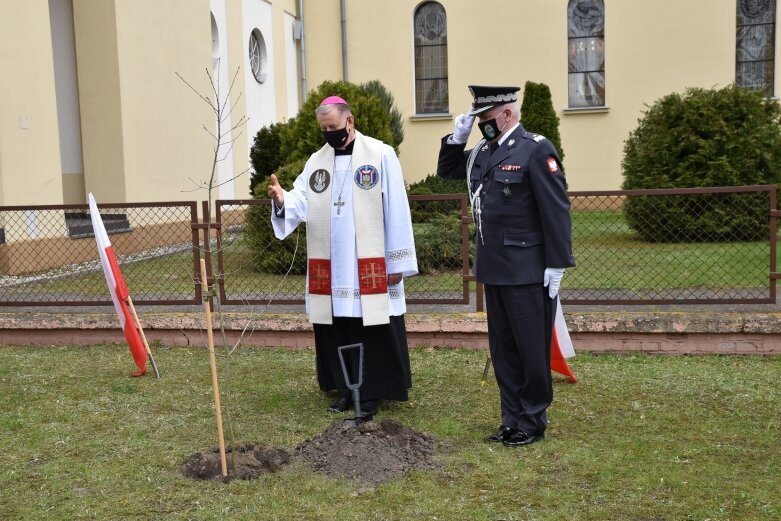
[(251, 462), (370, 454)]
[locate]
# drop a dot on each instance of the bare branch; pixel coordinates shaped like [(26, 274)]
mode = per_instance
[(207, 100)]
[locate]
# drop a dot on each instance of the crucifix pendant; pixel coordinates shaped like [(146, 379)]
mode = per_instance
[(339, 203)]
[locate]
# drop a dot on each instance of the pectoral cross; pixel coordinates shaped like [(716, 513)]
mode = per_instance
[(339, 203)]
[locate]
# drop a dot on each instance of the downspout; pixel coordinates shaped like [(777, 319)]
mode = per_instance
[(303, 52), (343, 11)]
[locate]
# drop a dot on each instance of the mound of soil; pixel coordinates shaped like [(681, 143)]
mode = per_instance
[(251, 462), (371, 453)]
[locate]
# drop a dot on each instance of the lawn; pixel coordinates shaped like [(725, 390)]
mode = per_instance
[(639, 437)]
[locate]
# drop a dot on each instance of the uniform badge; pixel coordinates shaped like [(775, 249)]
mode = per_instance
[(553, 166), (511, 143), (366, 177), (507, 192), (319, 181), (485, 147), (510, 168)]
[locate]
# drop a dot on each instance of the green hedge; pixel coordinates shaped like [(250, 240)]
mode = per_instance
[(703, 138)]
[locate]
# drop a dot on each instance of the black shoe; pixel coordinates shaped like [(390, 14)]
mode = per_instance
[(341, 405), (501, 435), (521, 438)]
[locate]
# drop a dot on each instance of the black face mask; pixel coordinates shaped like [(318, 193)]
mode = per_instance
[(336, 138), (490, 129)]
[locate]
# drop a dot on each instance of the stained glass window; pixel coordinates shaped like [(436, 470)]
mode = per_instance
[(586, 42), (756, 45), (431, 89)]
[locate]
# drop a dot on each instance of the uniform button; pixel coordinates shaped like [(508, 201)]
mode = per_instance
[(523, 243)]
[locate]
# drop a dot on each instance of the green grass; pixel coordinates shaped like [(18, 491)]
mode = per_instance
[(638, 438), (610, 255)]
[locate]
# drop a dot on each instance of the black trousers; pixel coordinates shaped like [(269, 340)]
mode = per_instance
[(386, 368), (520, 326)]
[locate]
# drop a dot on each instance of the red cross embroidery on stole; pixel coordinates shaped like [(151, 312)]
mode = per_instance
[(319, 277), (372, 276)]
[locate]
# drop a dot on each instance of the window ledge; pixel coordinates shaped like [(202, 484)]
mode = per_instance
[(431, 117), (587, 110)]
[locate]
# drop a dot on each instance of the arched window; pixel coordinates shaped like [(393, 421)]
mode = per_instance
[(586, 36), (756, 45), (257, 55), (431, 91)]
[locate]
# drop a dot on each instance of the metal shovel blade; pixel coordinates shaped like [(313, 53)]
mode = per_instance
[(351, 385)]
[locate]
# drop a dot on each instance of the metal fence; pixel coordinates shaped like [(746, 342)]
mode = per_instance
[(685, 246)]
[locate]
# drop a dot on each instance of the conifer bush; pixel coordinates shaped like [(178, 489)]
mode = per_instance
[(703, 138), (538, 114)]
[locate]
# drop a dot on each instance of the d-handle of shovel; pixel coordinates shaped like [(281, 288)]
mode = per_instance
[(353, 386)]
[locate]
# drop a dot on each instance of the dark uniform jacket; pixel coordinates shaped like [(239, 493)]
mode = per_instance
[(526, 225)]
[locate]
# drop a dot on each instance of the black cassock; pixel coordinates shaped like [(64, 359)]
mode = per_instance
[(386, 369)]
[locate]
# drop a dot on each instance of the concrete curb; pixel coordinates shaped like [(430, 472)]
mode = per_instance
[(664, 332)]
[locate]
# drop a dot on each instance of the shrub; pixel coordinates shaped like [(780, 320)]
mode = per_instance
[(433, 184), (438, 244), (265, 155), (703, 138), (538, 115)]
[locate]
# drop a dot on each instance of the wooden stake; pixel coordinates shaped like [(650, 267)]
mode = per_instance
[(485, 370), (213, 364), (129, 302)]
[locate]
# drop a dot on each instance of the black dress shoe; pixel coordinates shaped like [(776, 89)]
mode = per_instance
[(341, 405), (501, 435), (521, 438)]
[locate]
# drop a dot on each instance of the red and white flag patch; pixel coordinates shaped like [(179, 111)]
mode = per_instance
[(553, 166)]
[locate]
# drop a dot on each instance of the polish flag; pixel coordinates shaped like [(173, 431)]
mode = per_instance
[(561, 346), (117, 288)]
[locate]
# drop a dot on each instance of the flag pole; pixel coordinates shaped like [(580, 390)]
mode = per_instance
[(129, 302), (213, 364)]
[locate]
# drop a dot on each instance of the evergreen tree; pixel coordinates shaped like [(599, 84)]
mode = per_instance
[(538, 115)]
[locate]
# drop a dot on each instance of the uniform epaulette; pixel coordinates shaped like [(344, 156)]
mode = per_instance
[(535, 137)]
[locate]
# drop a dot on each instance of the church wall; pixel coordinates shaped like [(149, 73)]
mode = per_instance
[(652, 49)]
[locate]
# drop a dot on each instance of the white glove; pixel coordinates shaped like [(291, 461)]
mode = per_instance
[(462, 128), (552, 280)]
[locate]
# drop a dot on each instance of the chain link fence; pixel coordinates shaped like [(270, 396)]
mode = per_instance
[(714, 245)]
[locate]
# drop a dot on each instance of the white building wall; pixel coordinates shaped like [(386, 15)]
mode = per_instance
[(261, 97), (291, 67)]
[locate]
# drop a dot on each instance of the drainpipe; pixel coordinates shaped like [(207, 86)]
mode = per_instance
[(343, 11), (303, 51)]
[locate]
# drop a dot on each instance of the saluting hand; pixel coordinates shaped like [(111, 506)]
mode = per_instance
[(276, 192), (462, 128)]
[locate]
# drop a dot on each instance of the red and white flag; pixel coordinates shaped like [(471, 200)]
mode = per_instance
[(117, 288), (561, 346)]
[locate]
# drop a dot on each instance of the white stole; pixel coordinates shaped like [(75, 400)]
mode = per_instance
[(369, 232)]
